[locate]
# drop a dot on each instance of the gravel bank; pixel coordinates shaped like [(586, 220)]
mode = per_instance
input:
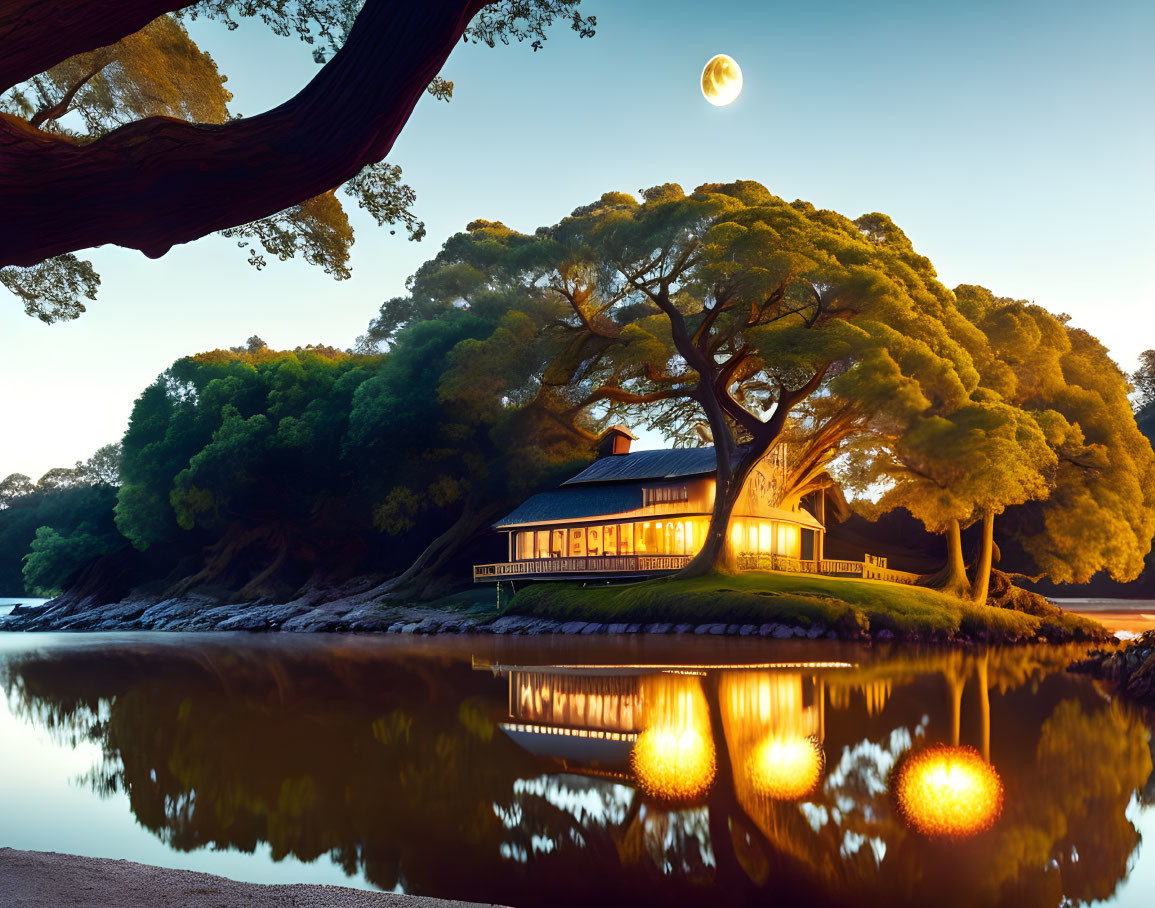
[(34, 879)]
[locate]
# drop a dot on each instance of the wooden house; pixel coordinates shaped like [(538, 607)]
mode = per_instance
[(647, 512)]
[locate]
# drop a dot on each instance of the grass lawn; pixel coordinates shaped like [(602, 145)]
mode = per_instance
[(756, 597)]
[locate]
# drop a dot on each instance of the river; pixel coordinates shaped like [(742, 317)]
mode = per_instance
[(571, 771)]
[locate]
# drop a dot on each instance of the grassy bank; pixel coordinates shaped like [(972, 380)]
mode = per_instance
[(847, 606)]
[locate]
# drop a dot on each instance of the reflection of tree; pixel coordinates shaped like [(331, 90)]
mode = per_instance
[(394, 767), (313, 756), (1094, 762)]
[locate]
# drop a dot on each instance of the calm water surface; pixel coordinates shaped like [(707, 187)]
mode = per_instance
[(577, 771)]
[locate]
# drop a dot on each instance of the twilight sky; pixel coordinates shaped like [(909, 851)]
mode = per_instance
[(1012, 142)]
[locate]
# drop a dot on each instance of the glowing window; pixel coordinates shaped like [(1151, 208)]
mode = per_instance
[(594, 540)]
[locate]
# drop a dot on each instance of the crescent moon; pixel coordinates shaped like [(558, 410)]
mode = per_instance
[(721, 80)]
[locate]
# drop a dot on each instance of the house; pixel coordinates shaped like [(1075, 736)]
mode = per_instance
[(646, 513)]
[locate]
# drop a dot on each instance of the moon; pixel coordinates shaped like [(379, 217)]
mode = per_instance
[(721, 80)]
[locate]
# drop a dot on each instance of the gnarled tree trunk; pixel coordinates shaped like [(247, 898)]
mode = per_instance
[(953, 577), (717, 553), (425, 577), (982, 579)]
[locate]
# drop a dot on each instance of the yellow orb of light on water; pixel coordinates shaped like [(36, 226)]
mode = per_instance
[(950, 792), (673, 764), (785, 767), (721, 80)]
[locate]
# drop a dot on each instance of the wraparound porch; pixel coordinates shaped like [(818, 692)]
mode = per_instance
[(625, 566)]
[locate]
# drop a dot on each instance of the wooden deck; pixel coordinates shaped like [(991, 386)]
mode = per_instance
[(590, 565), (610, 566)]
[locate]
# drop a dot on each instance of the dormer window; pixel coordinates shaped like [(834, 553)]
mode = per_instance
[(664, 494)]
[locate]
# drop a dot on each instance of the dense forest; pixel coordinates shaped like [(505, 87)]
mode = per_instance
[(723, 315)]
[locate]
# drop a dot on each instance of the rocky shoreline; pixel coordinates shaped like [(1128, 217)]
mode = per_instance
[(1131, 669), (194, 613), (354, 615)]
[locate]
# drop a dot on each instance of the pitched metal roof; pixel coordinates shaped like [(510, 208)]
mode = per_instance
[(575, 504), (668, 464)]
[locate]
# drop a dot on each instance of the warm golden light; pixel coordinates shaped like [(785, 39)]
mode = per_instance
[(948, 791), (721, 80), (674, 764), (785, 767), (673, 759)]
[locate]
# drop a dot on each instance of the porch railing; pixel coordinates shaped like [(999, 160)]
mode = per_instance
[(590, 564), (873, 568)]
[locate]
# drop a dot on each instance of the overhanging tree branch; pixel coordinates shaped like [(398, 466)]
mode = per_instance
[(159, 181), (36, 34)]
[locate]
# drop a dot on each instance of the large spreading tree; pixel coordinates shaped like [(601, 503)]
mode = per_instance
[(732, 307), (726, 314), (115, 128)]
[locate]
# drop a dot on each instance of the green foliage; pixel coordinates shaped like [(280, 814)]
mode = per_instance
[(51, 528), (238, 434), (158, 71), (76, 527), (54, 557), (52, 291), (1040, 425), (1100, 513), (982, 456), (1144, 380), (459, 409)]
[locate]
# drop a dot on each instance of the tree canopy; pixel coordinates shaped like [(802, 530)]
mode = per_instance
[(1099, 514), (731, 307), (111, 108)]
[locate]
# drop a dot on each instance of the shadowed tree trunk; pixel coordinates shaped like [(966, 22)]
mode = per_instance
[(982, 579), (425, 578), (953, 577), (160, 181)]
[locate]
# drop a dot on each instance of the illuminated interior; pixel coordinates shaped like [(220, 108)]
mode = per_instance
[(608, 703), (948, 791), (683, 536)]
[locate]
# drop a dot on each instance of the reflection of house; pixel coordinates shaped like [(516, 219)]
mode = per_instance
[(590, 719), (646, 512)]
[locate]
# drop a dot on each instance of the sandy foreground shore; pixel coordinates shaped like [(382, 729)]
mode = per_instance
[(36, 879)]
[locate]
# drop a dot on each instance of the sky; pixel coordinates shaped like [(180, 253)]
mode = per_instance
[(1011, 141)]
